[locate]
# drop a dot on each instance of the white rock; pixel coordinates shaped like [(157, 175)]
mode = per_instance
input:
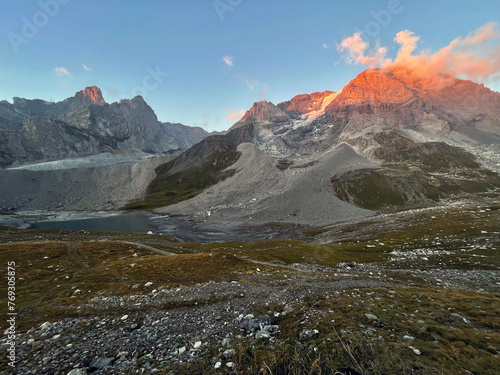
[(228, 354), (197, 345), (262, 334), (371, 316), (149, 232), (45, 326), (124, 317), (218, 365), (415, 350), (148, 284), (182, 350), (77, 371)]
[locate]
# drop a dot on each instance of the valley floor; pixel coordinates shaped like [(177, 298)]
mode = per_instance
[(406, 293)]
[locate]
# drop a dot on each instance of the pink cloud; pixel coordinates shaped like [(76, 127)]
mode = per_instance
[(236, 115), (354, 50), (475, 57)]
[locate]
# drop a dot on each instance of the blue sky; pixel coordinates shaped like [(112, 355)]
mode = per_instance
[(199, 61)]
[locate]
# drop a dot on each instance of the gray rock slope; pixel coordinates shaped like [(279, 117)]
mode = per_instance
[(291, 151), (260, 192), (95, 188), (36, 130)]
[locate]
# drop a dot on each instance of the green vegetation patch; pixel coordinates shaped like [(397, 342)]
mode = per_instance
[(385, 189), (414, 175), (289, 252), (190, 173)]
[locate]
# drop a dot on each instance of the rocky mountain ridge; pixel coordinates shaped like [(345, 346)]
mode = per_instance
[(36, 130), (417, 135)]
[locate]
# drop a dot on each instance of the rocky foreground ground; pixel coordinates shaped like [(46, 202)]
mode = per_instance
[(419, 297)]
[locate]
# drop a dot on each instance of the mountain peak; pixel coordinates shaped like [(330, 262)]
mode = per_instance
[(92, 93), (264, 111), (311, 104)]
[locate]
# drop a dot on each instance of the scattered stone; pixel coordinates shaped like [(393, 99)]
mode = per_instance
[(218, 364), (77, 371), (121, 354), (415, 350), (371, 316), (308, 334), (100, 363), (124, 317), (197, 345), (408, 338), (228, 354), (181, 350), (45, 326), (460, 317), (148, 284), (226, 341), (262, 334), (257, 324)]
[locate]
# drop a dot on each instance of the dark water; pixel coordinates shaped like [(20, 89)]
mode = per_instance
[(130, 223), (180, 229)]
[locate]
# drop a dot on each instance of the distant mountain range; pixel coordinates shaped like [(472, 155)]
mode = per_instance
[(387, 140), (37, 130)]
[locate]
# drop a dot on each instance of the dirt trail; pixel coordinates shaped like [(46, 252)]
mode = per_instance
[(147, 247), (271, 264)]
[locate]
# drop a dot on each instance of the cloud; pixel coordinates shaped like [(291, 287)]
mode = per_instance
[(206, 120), (475, 57), (86, 68), (236, 115), (354, 50), (61, 71), (325, 46), (255, 85), (252, 83), (111, 91), (228, 60), (263, 91)]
